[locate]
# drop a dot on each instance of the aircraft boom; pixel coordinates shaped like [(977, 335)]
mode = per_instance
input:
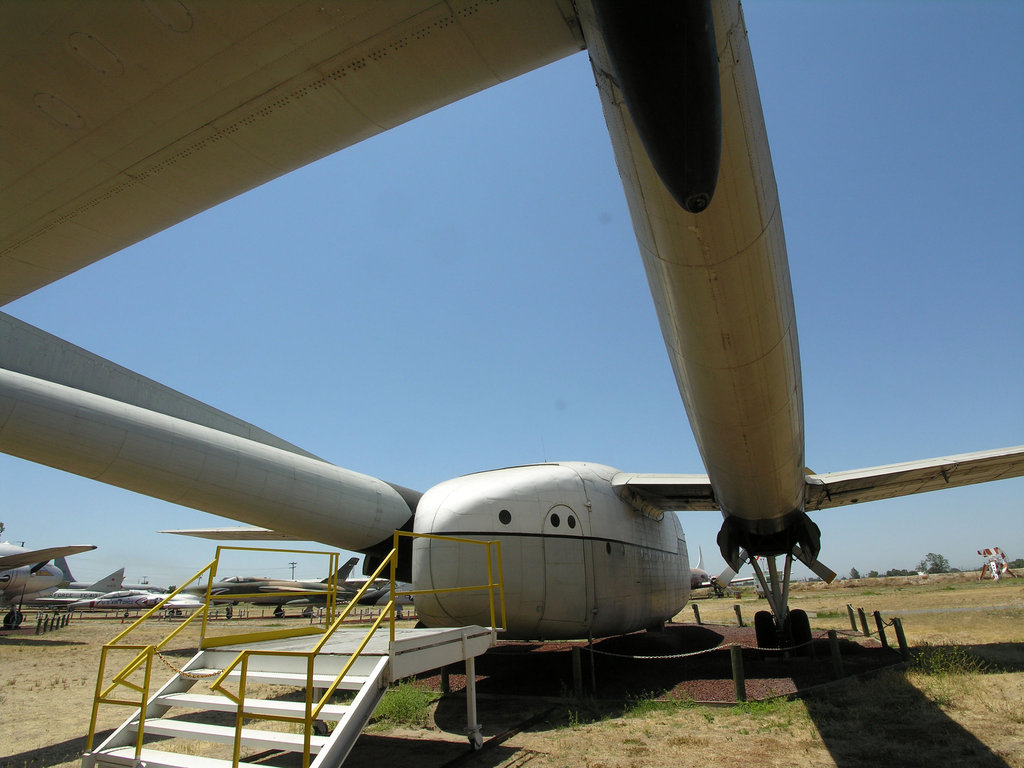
[(193, 465)]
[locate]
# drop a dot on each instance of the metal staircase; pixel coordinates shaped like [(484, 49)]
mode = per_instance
[(282, 682)]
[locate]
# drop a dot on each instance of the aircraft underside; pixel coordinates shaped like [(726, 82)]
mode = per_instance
[(585, 551)]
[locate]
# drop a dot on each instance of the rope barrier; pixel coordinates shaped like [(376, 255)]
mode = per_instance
[(183, 673), (720, 647)]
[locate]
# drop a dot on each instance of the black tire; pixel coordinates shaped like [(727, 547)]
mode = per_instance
[(798, 630), (765, 631), (279, 612)]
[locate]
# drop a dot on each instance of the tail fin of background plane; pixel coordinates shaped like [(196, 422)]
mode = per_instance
[(62, 564), (345, 570), (109, 583)]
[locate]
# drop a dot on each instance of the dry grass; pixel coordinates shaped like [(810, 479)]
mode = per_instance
[(962, 703)]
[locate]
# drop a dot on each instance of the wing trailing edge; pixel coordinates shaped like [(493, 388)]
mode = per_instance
[(688, 493), (236, 533), (837, 489)]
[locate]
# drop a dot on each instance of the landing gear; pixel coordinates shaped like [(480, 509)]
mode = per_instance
[(13, 619), (279, 612), (797, 630), (764, 630), (781, 627)]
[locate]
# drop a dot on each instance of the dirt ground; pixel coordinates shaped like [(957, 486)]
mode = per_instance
[(631, 712)]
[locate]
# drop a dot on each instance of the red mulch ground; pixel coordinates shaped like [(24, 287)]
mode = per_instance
[(546, 669)]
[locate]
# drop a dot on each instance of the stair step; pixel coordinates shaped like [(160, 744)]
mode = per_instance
[(349, 683), (252, 706), (225, 734), (154, 758)]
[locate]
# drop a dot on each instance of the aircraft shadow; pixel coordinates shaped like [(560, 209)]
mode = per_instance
[(863, 720), (34, 641)]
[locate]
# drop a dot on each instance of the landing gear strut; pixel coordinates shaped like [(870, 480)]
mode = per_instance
[(780, 628)]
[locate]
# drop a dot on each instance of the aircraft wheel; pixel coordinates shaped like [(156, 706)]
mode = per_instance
[(20, 617), (279, 612), (798, 630), (320, 728), (764, 630), (9, 620)]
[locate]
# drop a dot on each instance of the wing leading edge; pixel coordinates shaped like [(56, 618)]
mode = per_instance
[(683, 493)]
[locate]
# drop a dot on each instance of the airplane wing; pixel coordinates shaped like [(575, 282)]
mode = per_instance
[(235, 533), (679, 493), (120, 123), (683, 493), (836, 489), (33, 556)]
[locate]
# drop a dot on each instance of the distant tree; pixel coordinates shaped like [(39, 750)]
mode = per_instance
[(873, 574), (899, 572), (934, 563), (1018, 563), (854, 573)]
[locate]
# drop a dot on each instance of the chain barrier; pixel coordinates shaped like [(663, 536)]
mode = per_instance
[(183, 673), (720, 647)]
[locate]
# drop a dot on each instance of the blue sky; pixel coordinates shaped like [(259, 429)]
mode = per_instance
[(465, 292)]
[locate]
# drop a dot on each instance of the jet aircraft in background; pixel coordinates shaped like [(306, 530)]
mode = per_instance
[(67, 595), (115, 580), (143, 120), (26, 575), (276, 592), (131, 599)]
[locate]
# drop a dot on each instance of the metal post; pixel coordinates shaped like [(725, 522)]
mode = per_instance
[(739, 615), (446, 684), (853, 620), (897, 624), (696, 613), (593, 665), (476, 739), (738, 682), (577, 672), (864, 622), (881, 629), (837, 659)]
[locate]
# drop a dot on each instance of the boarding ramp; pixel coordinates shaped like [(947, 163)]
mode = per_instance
[(283, 680)]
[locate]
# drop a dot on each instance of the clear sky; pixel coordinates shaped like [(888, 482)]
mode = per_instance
[(465, 292)]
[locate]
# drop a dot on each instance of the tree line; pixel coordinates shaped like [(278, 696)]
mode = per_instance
[(932, 563)]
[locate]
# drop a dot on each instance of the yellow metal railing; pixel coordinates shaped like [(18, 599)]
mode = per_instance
[(312, 710), (146, 653)]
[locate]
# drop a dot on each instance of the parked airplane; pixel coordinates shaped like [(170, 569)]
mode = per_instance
[(67, 595), (701, 579), (587, 549), (130, 599), (279, 592), (114, 580), (26, 575)]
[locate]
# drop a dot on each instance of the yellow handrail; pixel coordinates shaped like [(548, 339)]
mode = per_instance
[(333, 623)]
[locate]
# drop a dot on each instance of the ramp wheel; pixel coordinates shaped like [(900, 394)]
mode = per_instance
[(764, 630)]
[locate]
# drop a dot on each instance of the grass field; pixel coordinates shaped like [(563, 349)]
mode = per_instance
[(959, 702)]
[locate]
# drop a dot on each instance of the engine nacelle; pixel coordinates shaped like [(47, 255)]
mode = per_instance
[(576, 560), (20, 584)]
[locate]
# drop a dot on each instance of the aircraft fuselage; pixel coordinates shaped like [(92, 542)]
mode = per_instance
[(577, 560)]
